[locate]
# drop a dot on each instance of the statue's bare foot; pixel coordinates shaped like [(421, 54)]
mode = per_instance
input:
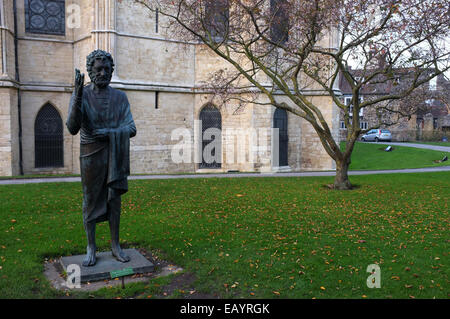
[(90, 259), (118, 253)]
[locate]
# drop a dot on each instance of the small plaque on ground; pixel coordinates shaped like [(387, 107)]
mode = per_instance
[(107, 266), (121, 273)]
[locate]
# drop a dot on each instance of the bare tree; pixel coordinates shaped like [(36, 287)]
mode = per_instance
[(284, 47)]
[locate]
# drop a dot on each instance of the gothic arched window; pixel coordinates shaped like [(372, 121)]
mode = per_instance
[(279, 28), (211, 120), (48, 138), (217, 18), (280, 121)]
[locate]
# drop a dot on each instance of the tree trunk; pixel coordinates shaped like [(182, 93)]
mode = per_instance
[(341, 180)]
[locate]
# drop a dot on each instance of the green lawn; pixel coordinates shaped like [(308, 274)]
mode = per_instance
[(371, 156), (247, 237)]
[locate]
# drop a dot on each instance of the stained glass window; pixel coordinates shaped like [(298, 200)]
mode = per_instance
[(45, 16)]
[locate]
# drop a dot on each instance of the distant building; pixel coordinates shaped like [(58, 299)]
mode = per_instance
[(431, 116)]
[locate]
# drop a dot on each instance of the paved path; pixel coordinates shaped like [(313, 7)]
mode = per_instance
[(229, 175), (416, 145)]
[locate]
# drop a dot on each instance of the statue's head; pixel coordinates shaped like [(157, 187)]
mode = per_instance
[(100, 66)]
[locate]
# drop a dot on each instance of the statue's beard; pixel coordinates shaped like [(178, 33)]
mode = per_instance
[(101, 81)]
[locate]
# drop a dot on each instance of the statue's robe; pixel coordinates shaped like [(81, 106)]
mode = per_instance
[(104, 162)]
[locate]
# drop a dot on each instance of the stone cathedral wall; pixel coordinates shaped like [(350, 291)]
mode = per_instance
[(160, 76)]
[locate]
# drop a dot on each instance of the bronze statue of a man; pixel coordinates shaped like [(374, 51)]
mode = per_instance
[(103, 117)]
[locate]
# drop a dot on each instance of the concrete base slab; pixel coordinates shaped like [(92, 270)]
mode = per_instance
[(106, 264)]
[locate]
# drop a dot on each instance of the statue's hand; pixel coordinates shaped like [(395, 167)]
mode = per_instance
[(79, 83), (101, 133)]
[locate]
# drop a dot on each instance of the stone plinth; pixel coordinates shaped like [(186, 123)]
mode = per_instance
[(106, 263)]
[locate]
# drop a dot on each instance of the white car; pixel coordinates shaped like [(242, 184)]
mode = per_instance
[(377, 135)]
